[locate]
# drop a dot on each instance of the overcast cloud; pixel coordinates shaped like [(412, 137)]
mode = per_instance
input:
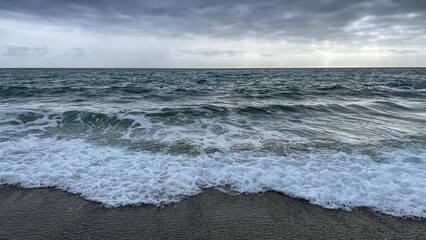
[(247, 33), (20, 50)]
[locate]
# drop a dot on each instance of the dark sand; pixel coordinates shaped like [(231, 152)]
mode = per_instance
[(54, 214)]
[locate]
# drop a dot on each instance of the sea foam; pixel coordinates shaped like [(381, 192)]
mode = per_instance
[(396, 185)]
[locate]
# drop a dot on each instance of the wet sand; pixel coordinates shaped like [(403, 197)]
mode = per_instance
[(53, 214)]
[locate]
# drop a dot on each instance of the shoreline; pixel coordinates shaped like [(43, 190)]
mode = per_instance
[(49, 213)]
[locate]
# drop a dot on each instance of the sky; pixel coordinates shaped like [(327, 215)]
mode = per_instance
[(212, 34)]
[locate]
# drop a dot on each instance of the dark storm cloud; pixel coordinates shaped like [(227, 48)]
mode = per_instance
[(306, 21), (22, 50)]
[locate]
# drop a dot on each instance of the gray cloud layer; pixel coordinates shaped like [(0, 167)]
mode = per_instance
[(77, 51), (339, 21), (212, 52), (22, 50)]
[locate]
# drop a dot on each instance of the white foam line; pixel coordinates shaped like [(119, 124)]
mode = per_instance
[(117, 177)]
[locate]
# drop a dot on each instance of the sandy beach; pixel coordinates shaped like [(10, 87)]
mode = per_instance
[(49, 213)]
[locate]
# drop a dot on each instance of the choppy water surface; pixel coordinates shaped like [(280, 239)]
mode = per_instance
[(340, 138)]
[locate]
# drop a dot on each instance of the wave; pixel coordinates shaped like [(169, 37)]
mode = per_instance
[(117, 177), (340, 138), (215, 128), (309, 108)]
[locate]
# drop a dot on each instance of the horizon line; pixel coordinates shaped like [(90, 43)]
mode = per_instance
[(201, 68)]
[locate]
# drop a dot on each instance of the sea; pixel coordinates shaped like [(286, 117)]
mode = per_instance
[(339, 138)]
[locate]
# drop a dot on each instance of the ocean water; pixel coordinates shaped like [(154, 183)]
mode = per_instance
[(339, 138)]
